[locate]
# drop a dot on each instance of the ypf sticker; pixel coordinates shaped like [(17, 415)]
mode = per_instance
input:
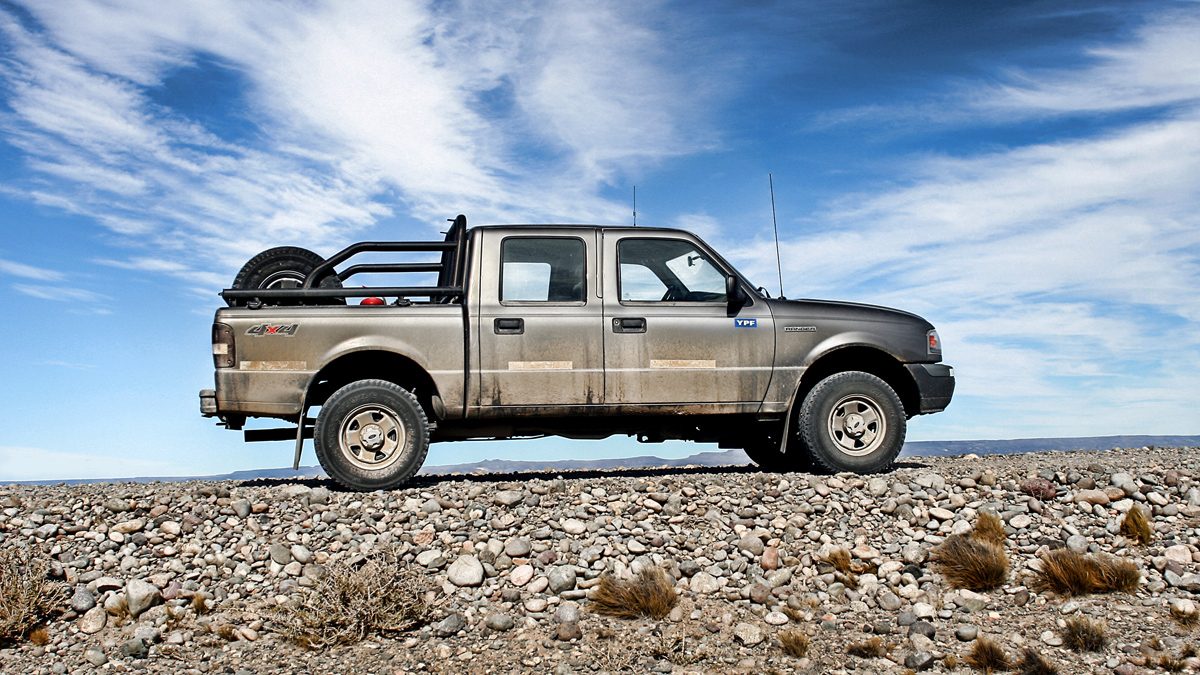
[(746, 323)]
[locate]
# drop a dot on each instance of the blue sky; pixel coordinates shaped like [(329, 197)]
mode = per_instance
[(1026, 175)]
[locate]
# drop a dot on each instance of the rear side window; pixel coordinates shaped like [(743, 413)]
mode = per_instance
[(543, 269)]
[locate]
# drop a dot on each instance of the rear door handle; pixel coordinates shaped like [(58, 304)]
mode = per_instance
[(629, 325), (509, 326)]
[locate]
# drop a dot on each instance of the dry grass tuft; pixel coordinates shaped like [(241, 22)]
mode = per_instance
[(1118, 574), (649, 594), (793, 614), (1189, 650), (1033, 663), (1135, 526), (839, 557), (227, 632), (1187, 620), (987, 656), (871, 649), (376, 594), (1068, 572), (988, 527), (39, 636), (794, 643), (26, 595), (950, 662), (1085, 635), (1169, 663), (972, 564)]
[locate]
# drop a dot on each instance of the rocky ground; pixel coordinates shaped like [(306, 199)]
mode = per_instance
[(186, 577)]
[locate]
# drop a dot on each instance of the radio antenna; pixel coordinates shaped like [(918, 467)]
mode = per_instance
[(778, 265), (635, 206)]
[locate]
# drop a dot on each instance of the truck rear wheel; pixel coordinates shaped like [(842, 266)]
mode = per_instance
[(852, 421), (371, 435), (284, 267)]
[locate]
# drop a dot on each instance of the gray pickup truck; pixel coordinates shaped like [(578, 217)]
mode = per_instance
[(561, 330)]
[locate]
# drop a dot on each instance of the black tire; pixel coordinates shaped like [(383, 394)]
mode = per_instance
[(284, 267), (852, 421), (764, 451), (382, 458)]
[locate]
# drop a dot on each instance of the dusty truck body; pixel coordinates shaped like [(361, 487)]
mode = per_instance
[(567, 330)]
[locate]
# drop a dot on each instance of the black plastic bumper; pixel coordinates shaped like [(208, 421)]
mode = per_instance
[(935, 385)]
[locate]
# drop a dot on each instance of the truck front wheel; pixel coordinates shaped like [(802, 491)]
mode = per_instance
[(852, 421), (371, 435)]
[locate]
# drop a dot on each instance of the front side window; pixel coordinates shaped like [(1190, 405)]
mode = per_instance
[(542, 269), (667, 270)]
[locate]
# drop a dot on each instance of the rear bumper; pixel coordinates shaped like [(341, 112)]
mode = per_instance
[(935, 385)]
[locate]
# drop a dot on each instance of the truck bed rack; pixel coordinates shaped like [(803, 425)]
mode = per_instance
[(449, 269)]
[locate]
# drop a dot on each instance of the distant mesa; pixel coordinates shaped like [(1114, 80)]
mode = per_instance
[(721, 458)]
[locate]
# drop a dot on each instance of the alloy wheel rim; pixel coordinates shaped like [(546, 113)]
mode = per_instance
[(857, 425)]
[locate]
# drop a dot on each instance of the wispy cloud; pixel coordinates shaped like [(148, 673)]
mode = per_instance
[(1063, 275), (59, 293), (29, 271), (384, 109)]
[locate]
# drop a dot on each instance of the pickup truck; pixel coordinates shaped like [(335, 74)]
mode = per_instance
[(577, 331)]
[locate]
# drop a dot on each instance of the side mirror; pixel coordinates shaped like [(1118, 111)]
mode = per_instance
[(734, 294)]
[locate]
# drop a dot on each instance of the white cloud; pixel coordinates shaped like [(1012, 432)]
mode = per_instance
[(59, 293), (25, 464), (1063, 276), (29, 271), (520, 111)]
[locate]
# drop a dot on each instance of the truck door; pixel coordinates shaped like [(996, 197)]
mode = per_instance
[(540, 319), (670, 337)]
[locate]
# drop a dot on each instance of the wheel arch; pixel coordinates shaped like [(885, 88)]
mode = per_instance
[(376, 364), (867, 359)]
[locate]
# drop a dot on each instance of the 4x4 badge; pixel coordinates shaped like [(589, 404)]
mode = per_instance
[(270, 329)]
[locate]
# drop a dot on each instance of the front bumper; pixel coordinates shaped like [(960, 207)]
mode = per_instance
[(935, 385)]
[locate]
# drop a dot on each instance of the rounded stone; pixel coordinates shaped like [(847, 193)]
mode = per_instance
[(520, 575), (561, 578), (499, 622), (704, 583), (466, 571), (966, 632), (93, 621), (518, 548)]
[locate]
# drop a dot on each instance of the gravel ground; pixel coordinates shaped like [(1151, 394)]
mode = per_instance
[(186, 577)]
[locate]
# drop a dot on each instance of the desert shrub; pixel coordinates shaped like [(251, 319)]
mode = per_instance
[(987, 656), (1033, 663), (839, 557), (27, 596), (1085, 635), (375, 594), (649, 594), (794, 643), (871, 649), (1135, 526), (1169, 663), (988, 527), (1068, 572), (974, 564), (1118, 574), (1185, 619)]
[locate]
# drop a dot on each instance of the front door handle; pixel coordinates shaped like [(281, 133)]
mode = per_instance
[(509, 326), (629, 325)]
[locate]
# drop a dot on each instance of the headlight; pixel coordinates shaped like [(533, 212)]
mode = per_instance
[(933, 342), (222, 346)]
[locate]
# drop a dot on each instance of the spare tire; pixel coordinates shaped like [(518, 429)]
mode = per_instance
[(284, 267)]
